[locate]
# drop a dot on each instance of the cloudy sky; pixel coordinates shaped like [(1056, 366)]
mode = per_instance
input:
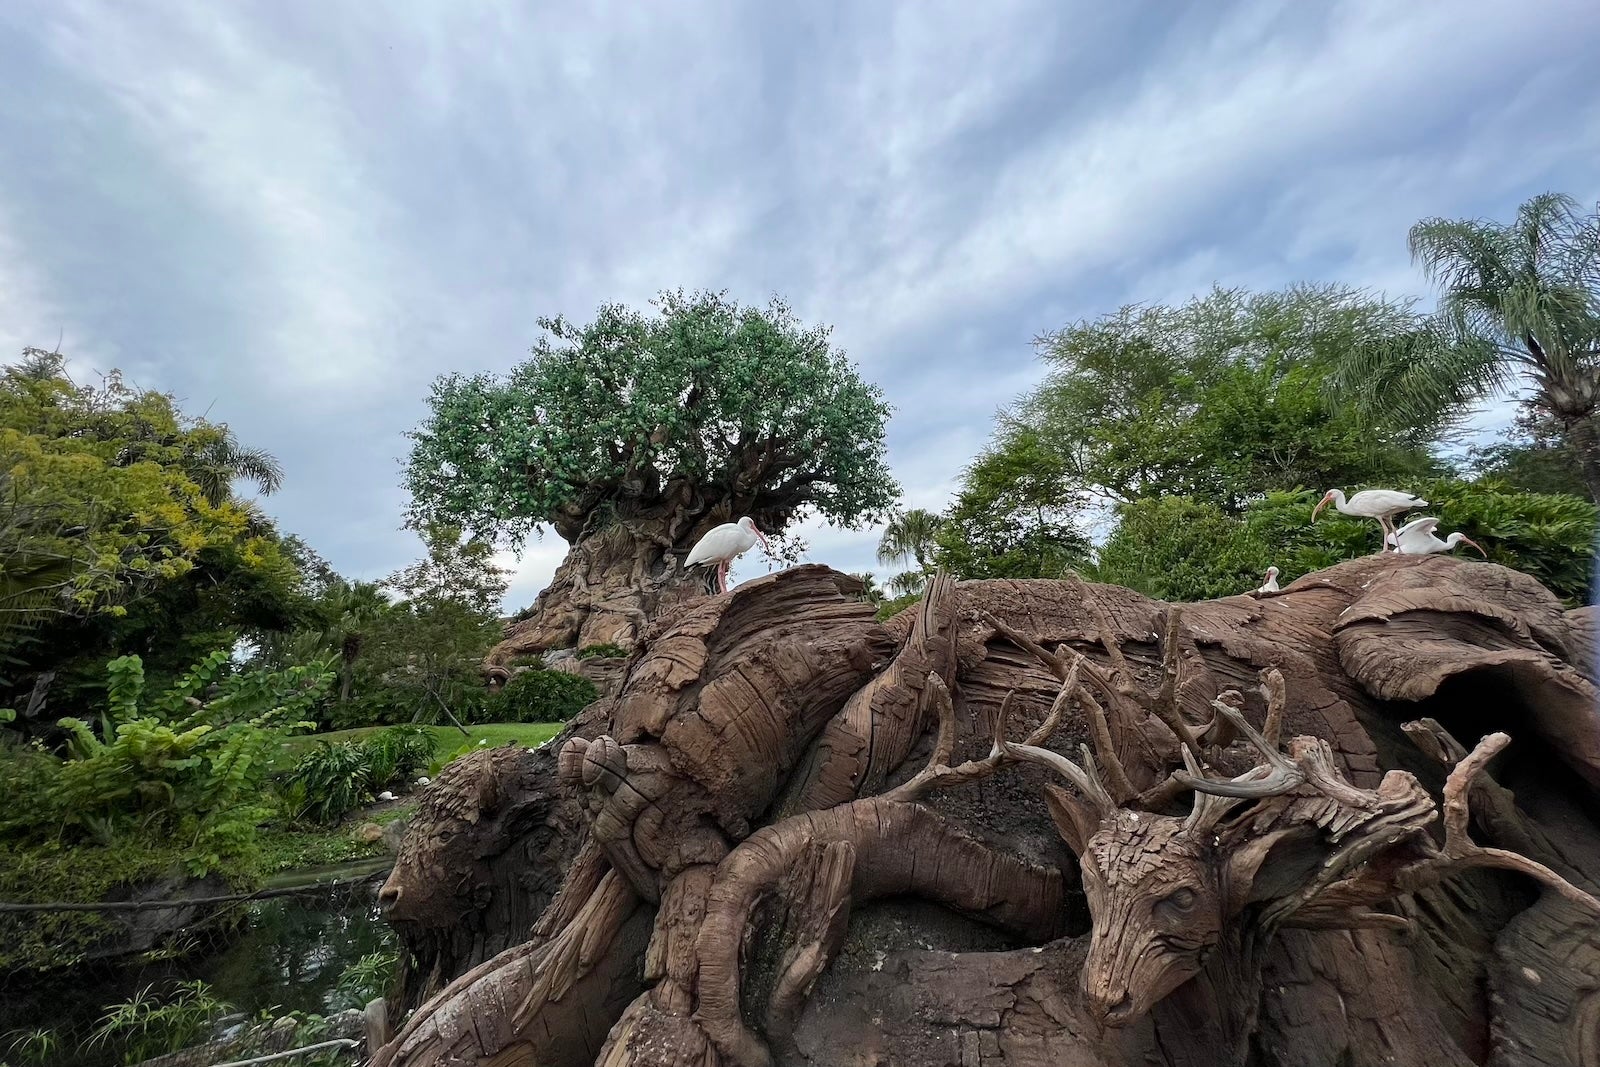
[(295, 213)]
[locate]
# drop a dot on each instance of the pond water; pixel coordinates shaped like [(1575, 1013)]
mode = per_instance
[(288, 954)]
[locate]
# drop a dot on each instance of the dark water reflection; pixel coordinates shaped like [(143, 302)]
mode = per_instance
[(286, 953)]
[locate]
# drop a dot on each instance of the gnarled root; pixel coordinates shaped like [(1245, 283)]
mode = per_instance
[(547, 1003), (864, 850)]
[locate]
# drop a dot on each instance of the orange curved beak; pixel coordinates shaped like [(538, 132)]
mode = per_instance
[(1474, 544), (763, 539), (1320, 505)]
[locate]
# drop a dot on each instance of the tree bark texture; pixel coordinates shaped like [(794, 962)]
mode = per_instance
[(798, 836), (608, 588)]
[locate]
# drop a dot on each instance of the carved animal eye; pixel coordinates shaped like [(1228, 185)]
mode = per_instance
[(1176, 904)]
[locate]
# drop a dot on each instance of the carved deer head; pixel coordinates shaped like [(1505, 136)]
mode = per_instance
[(1161, 889)]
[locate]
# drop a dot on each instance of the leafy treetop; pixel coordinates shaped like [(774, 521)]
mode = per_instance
[(705, 405), (108, 491), (1222, 399)]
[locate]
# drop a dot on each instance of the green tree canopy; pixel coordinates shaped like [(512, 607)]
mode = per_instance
[(1178, 548), (702, 405), (1518, 301), (908, 537), (119, 533), (1221, 399), (1014, 516)]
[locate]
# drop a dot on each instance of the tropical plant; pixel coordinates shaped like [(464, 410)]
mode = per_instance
[(421, 658), (396, 753), (352, 608), (1518, 301), (189, 764), (536, 695), (1015, 515), (333, 778), (909, 537), (1177, 548), (367, 979), (633, 435), (1221, 399), (35, 1046), (871, 591), (908, 583), (149, 1024)]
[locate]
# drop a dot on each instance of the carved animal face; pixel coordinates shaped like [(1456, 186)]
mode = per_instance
[(1158, 910)]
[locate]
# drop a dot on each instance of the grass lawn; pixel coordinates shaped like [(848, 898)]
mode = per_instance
[(446, 739)]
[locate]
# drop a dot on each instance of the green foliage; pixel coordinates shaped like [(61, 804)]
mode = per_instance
[(36, 1046), (52, 870), (395, 754), (1532, 454), (1518, 301), (108, 492), (1177, 548), (1181, 549), (148, 1024), (170, 765), (367, 979), (888, 609), (1221, 399), (329, 781), (337, 777), (1014, 515), (602, 651), (543, 696), (421, 658), (609, 418), (908, 537)]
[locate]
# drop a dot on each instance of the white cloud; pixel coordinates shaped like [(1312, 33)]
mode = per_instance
[(358, 199)]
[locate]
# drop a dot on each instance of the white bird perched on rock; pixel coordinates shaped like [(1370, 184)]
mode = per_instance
[(1271, 584), (424, 780), (1417, 538), (385, 795), (723, 544), (1380, 504)]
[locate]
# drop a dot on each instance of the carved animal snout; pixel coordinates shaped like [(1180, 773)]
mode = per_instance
[(1110, 1013)]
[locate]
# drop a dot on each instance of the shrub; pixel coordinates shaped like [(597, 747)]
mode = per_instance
[(146, 1025), (165, 767), (367, 979), (608, 651), (330, 780), (397, 753), (544, 696)]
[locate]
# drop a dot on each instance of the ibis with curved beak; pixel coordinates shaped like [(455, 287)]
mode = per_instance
[(723, 544), (1380, 504), (1417, 538), (1271, 584)]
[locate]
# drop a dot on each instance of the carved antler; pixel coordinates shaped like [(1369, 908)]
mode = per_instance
[(938, 774), (1459, 852)]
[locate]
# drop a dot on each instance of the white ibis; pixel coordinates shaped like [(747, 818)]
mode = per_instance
[(424, 780), (385, 796), (723, 544), (1380, 504), (1271, 584), (1417, 538)]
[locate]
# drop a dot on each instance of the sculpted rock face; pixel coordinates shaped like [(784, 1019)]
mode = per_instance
[(1037, 823)]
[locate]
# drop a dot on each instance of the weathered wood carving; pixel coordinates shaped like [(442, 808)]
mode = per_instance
[(1037, 823)]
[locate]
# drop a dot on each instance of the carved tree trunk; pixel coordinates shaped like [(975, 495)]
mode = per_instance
[(798, 836), (605, 591)]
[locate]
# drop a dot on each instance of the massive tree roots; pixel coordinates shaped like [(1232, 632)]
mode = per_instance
[(1034, 823)]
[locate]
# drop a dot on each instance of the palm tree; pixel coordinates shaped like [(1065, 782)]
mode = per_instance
[(909, 536), (215, 464), (352, 608), (908, 582), (1518, 302)]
